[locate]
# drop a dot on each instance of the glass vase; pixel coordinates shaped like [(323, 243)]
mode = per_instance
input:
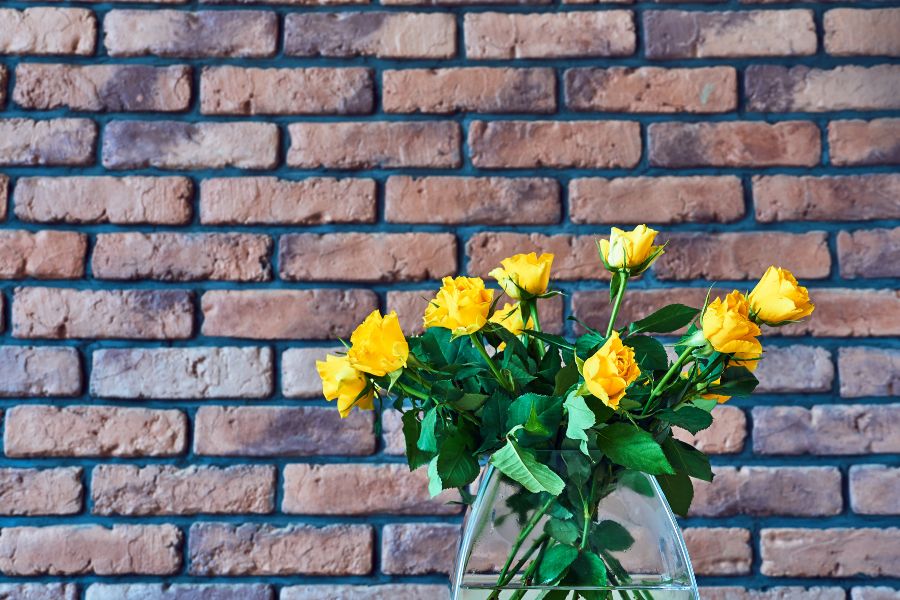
[(613, 528)]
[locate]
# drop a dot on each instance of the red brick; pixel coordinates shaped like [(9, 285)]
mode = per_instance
[(836, 552), (869, 253), (187, 591), (575, 256), (299, 377), (593, 307), (182, 257), (43, 431), (62, 142), (850, 197), (103, 87), (167, 490), (35, 371), (869, 372), (272, 201), (826, 430), (240, 91), (390, 256), (464, 200), (675, 34), (37, 591), (719, 551), (858, 142), (366, 592), (171, 33), (556, 144), (875, 489), (285, 314), (419, 549), (656, 200), (42, 255), (774, 593), (795, 369), (117, 200), (379, 34), (734, 144), (253, 549), (773, 88), (392, 433), (652, 90), (46, 30), (58, 313), (850, 313), (40, 492), (492, 35), (375, 144), (281, 431), (472, 89), (726, 435), (856, 32)]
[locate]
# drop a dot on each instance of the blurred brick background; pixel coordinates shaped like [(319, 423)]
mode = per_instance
[(198, 198)]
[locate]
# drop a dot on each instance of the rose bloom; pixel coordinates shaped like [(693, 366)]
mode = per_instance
[(628, 249), (461, 305), (528, 272), (341, 382), (610, 370), (778, 298), (377, 345), (727, 326)]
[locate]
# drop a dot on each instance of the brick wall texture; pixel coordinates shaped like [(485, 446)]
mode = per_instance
[(198, 197)]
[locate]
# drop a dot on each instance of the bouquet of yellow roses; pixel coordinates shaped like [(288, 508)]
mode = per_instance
[(484, 383)]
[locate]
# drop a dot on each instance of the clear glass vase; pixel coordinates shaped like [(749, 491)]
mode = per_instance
[(629, 547)]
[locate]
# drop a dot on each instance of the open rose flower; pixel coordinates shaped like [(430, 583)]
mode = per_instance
[(377, 345), (728, 327), (461, 305), (341, 382), (524, 274), (610, 371)]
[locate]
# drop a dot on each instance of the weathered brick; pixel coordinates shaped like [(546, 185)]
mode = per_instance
[(182, 257), (171, 33), (182, 373), (773, 88), (117, 200), (674, 34), (33, 371), (167, 490), (4, 76), (464, 200), (850, 313), (46, 30), (652, 89), (726, 435), (165, 591), (42, 255), (299, 377), (849, 197), (858, 142), (419, 549), (38, 430), (272, 201), (379, 34), (392, 433), (374, 144), (594, 308), (858, 32), (836, 552), (64, 142), (389, 489), (251, 549), (875, 489), (38, 591), (472, 89), (239, 91), (40, 492), (366, 592), (492, 35), (774, 593), (558, 144), (575, 256), (285, 314), (793, 369), (4, 193), (869, 253), (719, 551), (179, 145), (103, 87), (59, 313), (869, 372), (764, 491), (826, 430), (389, 256), (281, 431), (874, 593), (656, 199), (90, 549), (735, 144)]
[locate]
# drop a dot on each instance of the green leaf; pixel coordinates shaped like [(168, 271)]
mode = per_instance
[(520, 372), (557, 559), (687, 459), (564, 532), (470, 402), (687, 417), (705, 403), (427, 438), (546, 410), (565, 379), (534, 426), (637, 482), (555, 340), (669, 318), (581, 418), (610, 536), (736, 381), (456, 465), (633, 448), (602, 413), (578, 468), (435, 485), (493, 420), (679, 492), (411, 431), (519, 464), (590, 571), (649, 354), (587, 344)]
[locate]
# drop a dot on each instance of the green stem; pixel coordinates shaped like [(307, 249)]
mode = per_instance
[(529, 527), (618, 303), (529, 573), (411, 392), (657, 390), (490, 363), (536, 325)]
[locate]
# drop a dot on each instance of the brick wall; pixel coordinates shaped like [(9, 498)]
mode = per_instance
[(198, 198)]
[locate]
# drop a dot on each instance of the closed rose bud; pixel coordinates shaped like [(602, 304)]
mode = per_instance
[(630, 249), (728, 327), (610, 371), (524, 274), (377, 345), (341, 382), (778, 298), (461, 305)]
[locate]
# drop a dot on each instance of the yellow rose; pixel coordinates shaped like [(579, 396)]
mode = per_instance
[(377, 346), (510, 316), (727, 326), (778, 298), (612, 369), (341, 382), (461, 305), (629, 249), (528, 272)]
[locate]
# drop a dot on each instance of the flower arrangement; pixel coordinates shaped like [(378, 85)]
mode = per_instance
[(485, 383)]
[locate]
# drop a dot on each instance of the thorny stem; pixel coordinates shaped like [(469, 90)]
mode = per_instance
[(618, 303)]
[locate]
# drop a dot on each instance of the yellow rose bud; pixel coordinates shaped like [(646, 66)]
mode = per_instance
[(727, 326), (778, 298), (341, 382), (377, 345), (610, 370), (461, 305), (524, 272), (629, 249)]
